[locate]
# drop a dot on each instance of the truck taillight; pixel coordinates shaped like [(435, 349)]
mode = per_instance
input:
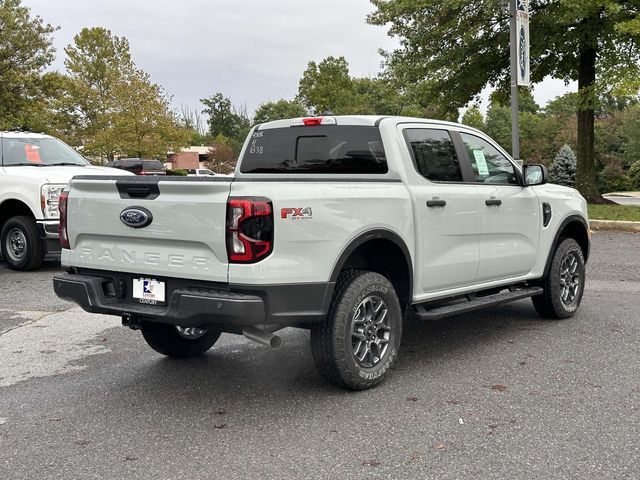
[(249, 229), (62, 227)]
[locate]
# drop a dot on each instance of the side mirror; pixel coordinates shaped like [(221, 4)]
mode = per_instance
[(535, 175)]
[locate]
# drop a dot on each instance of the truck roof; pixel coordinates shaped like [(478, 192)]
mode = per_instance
[(17, 134), (360, 120)]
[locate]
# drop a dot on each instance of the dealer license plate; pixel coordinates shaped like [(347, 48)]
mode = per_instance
[(149, 291)]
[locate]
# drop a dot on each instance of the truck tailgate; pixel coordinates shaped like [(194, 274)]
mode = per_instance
[(185, 238)]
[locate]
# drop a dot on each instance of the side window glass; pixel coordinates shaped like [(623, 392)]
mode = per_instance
[(489, 165), (434, 154)]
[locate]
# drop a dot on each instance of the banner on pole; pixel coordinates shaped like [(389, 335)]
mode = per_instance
[(522, 43)]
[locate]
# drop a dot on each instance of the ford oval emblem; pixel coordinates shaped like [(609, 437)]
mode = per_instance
[(136, 217)]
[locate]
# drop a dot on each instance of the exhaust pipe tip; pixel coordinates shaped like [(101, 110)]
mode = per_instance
[(262, 337)]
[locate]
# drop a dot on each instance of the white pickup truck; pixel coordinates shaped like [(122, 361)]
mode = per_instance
[(336, 224), (34, 169)]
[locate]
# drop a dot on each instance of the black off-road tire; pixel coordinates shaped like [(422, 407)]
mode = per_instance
[(332, 340), (34, 252), (550, 304), (166, 340)]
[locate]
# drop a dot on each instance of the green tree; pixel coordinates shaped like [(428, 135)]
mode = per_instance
[(473, 117), (563, 170), (225, 119), (25, 51), (269, 111), (115, 108), (327, 86), (498, 124), (460, 47)]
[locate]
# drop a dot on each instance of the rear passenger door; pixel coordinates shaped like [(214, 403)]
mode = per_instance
[(510, 212), (448, 211)]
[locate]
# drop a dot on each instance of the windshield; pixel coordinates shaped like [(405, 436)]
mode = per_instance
[(40, 152)]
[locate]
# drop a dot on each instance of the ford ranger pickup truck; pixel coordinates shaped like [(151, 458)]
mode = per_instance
[(34, 169), (341, 225)]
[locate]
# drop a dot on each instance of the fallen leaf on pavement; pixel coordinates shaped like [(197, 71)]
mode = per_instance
[(221, 426), (412, 399), (498, 387), (372, 463)]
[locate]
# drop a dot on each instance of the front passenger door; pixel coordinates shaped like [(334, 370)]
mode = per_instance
[(511, 213)]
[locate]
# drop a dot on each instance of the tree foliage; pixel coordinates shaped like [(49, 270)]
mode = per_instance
[(116, 109), (225, 119), (563, 169), (473, 117), (454, 49), (270, 111), (25, 51)]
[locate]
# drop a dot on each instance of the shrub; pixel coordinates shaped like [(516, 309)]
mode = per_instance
[(563, 169), (634, 175), (176, 172), (613, 179)]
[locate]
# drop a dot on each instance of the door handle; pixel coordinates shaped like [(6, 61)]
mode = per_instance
[(436, 203), (493, 202)]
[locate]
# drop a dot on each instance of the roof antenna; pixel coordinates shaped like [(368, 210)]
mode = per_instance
[(327, 113)]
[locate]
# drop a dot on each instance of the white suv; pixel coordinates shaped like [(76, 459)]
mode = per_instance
[(34, 169)]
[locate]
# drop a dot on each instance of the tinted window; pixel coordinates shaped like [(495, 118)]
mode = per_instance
[(434, 154), (152, 165), (489, 165), (318, 149), (132, 164), (39, 151)]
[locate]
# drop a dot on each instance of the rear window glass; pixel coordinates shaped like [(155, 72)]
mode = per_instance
[(152, 165), (317, 149), (434, 154)]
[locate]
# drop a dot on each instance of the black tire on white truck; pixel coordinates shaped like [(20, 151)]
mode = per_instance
[(564, 283), (21, 244), (359, 340), (178, 342)]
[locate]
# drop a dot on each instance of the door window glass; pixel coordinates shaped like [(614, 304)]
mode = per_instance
[(489, 165), (434, 154)]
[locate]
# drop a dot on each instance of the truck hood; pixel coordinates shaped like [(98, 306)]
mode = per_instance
[(61, 174)]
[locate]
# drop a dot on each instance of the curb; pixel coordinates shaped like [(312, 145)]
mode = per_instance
[(614, 225)]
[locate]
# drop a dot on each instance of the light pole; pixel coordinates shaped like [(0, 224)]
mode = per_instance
[(515, 123)]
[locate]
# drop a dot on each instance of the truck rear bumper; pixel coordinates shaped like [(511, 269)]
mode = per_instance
[(194, 304)]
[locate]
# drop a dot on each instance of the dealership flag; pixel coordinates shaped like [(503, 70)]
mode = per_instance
[(522, 22)]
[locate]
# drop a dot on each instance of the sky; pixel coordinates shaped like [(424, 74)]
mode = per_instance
[(250, 50)]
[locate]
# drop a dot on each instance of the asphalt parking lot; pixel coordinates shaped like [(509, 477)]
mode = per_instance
[(497, 394)]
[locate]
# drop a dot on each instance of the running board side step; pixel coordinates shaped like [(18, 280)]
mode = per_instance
[(438, 313)]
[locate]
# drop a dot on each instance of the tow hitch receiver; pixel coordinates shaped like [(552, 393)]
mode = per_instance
[(130, 320)]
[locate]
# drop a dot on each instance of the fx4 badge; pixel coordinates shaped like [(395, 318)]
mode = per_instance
[(296, 213)]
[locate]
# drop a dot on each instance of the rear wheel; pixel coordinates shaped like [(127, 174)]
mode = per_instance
[(564, 284), (359, 340), (179, 342), (21, 245)]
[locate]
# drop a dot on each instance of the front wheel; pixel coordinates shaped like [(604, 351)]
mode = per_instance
[(358, 341), (179, 342), (564, 284), (21, 245)]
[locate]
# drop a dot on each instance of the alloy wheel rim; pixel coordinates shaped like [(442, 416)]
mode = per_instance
[(16, 244), (570, 280), (191, 333), (370, 331)]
